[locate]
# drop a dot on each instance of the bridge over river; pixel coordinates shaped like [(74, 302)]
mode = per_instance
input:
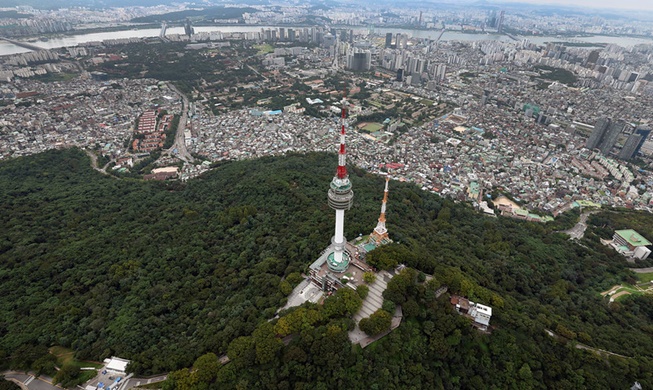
[(25, 45)]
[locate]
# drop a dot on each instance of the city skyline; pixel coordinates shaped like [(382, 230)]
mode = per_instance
[(591, 4)]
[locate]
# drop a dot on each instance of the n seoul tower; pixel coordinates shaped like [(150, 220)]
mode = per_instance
[(340, 197)]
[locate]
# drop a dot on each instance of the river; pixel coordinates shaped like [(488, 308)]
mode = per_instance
[(7, 48)]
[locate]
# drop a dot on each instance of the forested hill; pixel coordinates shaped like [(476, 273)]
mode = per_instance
[(162, 273)]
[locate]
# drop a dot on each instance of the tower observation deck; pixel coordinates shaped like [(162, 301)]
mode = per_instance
[(340, 198)]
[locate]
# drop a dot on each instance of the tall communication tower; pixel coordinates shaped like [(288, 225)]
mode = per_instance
[(380, 232), (340, 197)]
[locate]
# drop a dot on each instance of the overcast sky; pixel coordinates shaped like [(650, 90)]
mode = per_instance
[(620, 4)]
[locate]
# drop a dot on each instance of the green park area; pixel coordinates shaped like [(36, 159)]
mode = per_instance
[(557, 74), (645, 278), (643, 286), (264, 48), (66, 356), (70, 371), (372, 127)]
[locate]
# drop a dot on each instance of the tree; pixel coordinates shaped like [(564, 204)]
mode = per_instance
[(7, 385), (362, 291), (345, 302), (227, 374), (242, 352), (380, 321), (387, 257), (67, 375), (410, 308), (294, 278), (444, 214), (369, 277), (388, 306), (285, 287), (206, 368), (526, 377), (45, 365), (565, 332), (401, 286), (180, 380), (430, 289), (266, 342)]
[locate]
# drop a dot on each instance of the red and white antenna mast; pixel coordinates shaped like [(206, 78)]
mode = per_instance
[(380, 232), (342, 168)]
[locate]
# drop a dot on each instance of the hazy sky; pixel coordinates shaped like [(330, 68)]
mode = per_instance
[(620, 4)]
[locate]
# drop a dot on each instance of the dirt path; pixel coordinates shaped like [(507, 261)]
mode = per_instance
[(615, 288), (619, 294), (585, 347)]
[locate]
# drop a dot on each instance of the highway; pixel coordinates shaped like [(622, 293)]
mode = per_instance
[(180, 141)]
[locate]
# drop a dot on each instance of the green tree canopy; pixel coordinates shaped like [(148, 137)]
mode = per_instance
[(378, 322)]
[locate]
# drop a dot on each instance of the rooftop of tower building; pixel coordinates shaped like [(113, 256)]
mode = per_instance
[(352, 273), (336, 266), (340, 184)]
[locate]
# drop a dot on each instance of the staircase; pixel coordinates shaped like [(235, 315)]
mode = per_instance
[(374, 299)]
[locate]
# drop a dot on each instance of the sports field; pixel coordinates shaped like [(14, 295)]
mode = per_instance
[(372, 127)]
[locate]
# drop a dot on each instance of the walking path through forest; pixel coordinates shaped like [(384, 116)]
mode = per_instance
[(585, 347)]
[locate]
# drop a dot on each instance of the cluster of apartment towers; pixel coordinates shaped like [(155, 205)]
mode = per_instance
[(607, 131), (343, 263)]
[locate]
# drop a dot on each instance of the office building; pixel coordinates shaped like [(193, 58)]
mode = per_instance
[(388, 40), (358, 59), (611, 136), (598, 132), (593, 57), (634, 143), (605, 135)]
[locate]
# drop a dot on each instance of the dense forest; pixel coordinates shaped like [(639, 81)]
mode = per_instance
[(187, 68), (7, 385), (206, 14), (171, 275)]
